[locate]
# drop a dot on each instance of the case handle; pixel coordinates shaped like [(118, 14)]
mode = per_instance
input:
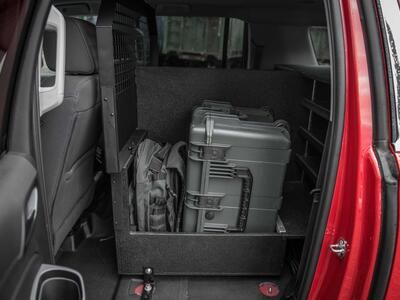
[(247, 185)]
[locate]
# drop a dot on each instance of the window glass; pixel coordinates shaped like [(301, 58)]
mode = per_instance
[(235, 44), (143, 54), (199, 41), (320, 43)]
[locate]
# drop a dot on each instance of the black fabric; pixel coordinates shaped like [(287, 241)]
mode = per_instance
[(199, 288), (201, 254), (167, 95), (81, 47), (95, 260)]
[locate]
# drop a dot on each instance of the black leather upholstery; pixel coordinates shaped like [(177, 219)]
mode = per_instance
[(70, 133), (81, 47)]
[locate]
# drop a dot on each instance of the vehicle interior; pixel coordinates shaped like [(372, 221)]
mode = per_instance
[(114, 72)]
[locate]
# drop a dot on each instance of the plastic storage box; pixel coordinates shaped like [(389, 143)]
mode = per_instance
[(262, 114), (235, 172)]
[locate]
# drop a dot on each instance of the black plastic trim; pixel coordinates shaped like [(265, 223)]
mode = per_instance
[(386, 160), (24, 127), (21, 134), (9, 72), (387, 242), (225, 43), (334, 144)]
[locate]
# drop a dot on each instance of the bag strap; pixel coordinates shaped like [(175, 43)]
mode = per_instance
[(177, 163), (145, 154), (175, 160), (158, 160)]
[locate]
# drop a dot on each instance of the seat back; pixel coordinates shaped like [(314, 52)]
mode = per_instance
[(71, 131)]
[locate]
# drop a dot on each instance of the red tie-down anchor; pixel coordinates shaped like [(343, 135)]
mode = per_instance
[(268, 289)]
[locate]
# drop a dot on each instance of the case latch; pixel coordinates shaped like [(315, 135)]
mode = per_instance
[(340, 248), (212, 153), (208, 202)]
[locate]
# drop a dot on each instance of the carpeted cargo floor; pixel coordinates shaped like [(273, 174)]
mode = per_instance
[(203, 288), (95, 261)]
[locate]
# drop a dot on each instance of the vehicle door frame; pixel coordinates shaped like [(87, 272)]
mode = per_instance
[(20, 119)]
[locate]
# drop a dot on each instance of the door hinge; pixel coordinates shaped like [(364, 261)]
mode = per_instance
[(340, 248)]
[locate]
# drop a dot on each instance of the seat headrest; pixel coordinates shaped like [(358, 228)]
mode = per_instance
[(50, 48), (81, 48)]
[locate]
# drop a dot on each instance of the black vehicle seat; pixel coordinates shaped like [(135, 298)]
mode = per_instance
[(70, 131)]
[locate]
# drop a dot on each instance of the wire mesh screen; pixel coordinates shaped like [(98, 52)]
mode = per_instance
[(124, 48), (116, 35), (124, 61), (124, 71)]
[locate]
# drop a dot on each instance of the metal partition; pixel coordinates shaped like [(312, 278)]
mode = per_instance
[(117, 60)]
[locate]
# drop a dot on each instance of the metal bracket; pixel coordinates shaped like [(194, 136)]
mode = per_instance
[(148, 283), (340, 248)]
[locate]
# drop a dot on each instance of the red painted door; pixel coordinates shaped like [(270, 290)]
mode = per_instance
[(355, 214)]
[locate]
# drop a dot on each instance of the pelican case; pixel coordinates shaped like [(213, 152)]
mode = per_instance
[(235, 170), (263, 114)]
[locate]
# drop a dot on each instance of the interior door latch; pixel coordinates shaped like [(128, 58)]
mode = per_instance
[(340, 248)]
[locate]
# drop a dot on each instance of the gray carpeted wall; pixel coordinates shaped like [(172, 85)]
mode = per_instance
[(167, 95)]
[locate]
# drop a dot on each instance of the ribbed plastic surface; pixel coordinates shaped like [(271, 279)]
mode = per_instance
[(220, 144)]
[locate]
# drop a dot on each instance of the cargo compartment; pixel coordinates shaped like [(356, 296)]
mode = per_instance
[(210, 253), (162, 64), (282, 173)]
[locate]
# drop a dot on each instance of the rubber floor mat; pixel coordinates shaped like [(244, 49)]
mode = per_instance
[(95, 260)]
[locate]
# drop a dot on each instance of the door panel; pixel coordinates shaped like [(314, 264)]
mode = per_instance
[(23, 234), (25, 250), (19, 197)]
